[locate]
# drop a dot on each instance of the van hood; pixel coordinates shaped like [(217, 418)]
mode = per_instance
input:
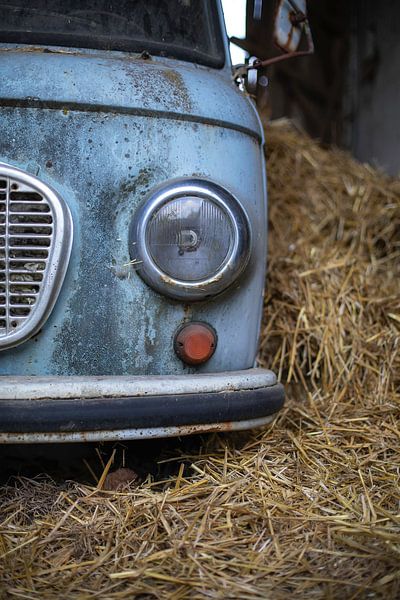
[(122, 83)]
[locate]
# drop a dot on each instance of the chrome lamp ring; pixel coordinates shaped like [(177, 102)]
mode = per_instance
[(234, 263)]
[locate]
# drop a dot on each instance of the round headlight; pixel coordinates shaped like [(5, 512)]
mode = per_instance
[(190, 239)]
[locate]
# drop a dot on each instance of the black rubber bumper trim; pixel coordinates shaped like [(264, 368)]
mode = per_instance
[(100, 414)]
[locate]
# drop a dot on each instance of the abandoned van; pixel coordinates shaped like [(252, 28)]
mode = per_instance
[(133, 212)]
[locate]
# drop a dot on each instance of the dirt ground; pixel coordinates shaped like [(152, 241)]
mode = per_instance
[(308, 506)]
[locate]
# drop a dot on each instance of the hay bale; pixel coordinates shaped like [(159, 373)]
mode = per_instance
[(308, 506)]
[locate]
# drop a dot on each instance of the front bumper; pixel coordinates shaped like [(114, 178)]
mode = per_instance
[(76, 409)]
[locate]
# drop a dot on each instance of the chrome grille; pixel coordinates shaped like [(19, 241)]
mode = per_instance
[(35, 243)]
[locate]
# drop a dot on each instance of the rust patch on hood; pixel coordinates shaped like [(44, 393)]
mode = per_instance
[(164, 85), (178, 88)]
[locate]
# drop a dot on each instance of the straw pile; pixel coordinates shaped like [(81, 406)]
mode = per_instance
[(308, 506)]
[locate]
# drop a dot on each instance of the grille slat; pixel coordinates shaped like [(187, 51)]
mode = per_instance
[(27, 305), (18, 317), (27, 271), (29, 236), (39, 248), (39, 261)]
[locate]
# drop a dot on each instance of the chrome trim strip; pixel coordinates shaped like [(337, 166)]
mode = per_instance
[(130, 434)]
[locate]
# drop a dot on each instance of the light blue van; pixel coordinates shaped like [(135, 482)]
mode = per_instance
[(133, 224)]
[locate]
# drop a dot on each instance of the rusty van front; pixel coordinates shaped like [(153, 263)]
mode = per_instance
[(133, 224)]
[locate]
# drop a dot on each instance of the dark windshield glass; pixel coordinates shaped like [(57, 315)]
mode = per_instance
[(187, 29)]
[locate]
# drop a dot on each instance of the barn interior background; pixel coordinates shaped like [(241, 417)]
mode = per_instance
[(310, 505), (347, 93)]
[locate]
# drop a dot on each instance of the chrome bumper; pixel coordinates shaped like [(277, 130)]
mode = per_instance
[(75, 409)]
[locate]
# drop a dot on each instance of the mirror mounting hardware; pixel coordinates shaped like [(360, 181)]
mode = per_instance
[(290, 29)]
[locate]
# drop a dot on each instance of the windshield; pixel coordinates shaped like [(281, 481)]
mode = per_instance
[(186, 29)]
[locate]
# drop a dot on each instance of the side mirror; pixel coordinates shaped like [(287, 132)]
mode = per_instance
[(290, 25)]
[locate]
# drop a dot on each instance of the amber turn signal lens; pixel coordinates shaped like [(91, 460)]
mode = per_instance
[(195, 343)]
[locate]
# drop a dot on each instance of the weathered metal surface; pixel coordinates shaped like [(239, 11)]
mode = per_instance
[(130, 434), (107, 321), (114, 82), (104, 129), (37, 388)]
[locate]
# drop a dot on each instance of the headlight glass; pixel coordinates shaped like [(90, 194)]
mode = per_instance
[(190, 238)]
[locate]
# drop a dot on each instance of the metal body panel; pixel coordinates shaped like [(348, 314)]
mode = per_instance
[(135, 124), (124, 83), (107, 321)]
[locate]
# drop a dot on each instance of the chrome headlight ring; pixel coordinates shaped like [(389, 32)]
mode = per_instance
[(233, 264)]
